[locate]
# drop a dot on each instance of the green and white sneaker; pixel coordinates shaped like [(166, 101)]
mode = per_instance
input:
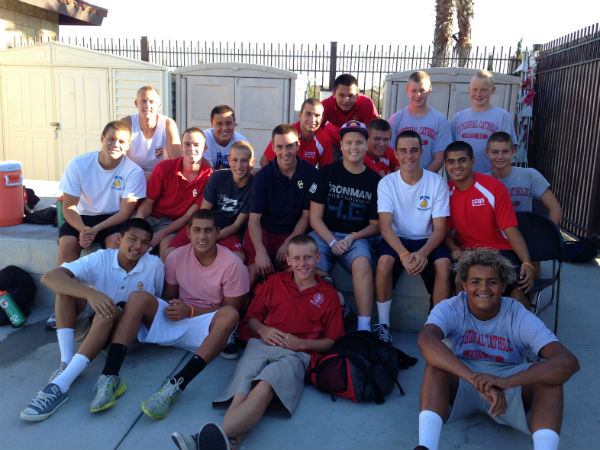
[(185, 441), (106, 391), (159, 404), (44, 404)]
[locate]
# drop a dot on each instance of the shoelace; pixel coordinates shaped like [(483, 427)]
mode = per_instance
[(170, 388), (42, 399)]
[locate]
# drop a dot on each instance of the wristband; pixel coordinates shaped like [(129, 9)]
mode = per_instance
[(404, 254), (191, 311), (355, 235), (332, 242), (528, 264)]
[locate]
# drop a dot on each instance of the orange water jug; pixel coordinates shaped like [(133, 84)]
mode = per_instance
[(11, 193)]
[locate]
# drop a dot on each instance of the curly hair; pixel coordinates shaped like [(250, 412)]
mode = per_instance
[(485, 257)]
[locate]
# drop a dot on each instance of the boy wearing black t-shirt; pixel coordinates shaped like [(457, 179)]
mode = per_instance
[(343, 213)]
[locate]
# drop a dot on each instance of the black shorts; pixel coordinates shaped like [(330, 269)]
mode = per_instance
[(90, 221)]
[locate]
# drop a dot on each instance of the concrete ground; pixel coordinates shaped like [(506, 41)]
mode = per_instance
[(28, 355)]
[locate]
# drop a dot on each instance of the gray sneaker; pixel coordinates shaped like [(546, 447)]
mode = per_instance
[(185, 441), (159, 403), (44, 404), (212, 437), (106, 391), (382, 332), (57, 372)]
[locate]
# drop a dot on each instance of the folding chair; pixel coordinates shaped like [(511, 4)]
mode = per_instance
[(545, 243)]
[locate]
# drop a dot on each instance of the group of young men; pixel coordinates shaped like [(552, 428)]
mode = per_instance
[(375, 204)]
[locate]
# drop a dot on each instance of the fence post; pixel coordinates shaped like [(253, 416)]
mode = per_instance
[(145, 50), (332, 63)]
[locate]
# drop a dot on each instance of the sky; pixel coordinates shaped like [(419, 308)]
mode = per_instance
[(500, 23)]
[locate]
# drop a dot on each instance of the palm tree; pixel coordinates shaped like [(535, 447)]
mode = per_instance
[(442, 33), (464, 14)]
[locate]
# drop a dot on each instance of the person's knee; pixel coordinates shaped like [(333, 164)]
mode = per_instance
[(227, 315), (69, 248), (138, 300), (361, 266), (442, 267), (385, 264), (111, 241)]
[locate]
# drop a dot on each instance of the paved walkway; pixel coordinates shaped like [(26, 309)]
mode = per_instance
[(28, 355)]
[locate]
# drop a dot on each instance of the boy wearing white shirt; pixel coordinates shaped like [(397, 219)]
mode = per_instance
[(413, 206), (100, 191), (221, 136), (99, 282)]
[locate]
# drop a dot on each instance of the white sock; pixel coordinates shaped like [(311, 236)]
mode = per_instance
[(72, 371), (66, 343), (364, 323), (545, 439), (430, 427), (383, 311)]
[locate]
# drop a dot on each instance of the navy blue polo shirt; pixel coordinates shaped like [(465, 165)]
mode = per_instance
[(280, 199)]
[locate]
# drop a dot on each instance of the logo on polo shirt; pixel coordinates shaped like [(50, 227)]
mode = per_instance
[(140, 285), (317, 299), (300, 184), (117, 183), (478, 202), (424, 203), (310, 154), (313, 188), (195, 193), (158, 152)]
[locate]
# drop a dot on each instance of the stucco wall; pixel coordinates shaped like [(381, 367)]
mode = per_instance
[(21, 21)]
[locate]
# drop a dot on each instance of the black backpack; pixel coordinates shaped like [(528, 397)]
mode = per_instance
[(579, 251), (360, 367), (19, 284)]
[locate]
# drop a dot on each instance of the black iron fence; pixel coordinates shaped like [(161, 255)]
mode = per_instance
[(565, 143), (318, 63)]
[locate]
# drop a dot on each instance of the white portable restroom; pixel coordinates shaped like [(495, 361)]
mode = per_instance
[(450, 91), (57, 98), (262, 98)]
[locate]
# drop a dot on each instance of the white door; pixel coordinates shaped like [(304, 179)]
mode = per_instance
[(28, 112), (203, 94), (82, 111), (260, 105)]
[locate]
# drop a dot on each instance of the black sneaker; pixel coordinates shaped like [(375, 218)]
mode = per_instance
[(231, 350), (212, 437), (382, 332)]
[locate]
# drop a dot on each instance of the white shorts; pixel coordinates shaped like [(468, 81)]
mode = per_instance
[(187, 333)]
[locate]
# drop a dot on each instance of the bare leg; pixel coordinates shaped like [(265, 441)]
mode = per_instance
[(441, 285), (140, 308), (384, 282), (66, 310), (437, 389), (521, 297), (68, 249), (253, 274), (546, 402), (163, 247), (362, 281), (111, 241), (246, 411), (97, 336), (221, 327)]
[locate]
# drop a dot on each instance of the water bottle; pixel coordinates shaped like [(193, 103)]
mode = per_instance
[(12, 310), (60, 219)]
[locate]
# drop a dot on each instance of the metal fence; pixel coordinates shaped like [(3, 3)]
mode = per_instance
[(317, 63), (565, 143)]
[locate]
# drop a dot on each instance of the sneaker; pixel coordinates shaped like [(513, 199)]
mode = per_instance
[(231, 350), (57, 372), (159, 403), (185, 441), (212, 437), (382, 332), (44, 403), (51, 323), (106, 391)]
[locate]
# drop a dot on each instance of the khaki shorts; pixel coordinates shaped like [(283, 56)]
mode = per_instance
[(282, 368)]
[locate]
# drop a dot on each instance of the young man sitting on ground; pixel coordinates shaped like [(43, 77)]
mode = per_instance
[(413, 207), (228, 194), (205, 285), (315, 141), (523, 183), (343, 214), (296, 316), (97, 282), (475, 346), (278, 205), (481, 215), (175, 190), (380, 156)]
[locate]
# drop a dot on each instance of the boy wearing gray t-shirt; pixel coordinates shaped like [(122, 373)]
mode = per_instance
[(475, 347)]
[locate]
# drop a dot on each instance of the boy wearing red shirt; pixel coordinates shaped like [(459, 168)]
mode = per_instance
[(482, 215), (315, 141), (175, 190), (380, 156), (295, 315)]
